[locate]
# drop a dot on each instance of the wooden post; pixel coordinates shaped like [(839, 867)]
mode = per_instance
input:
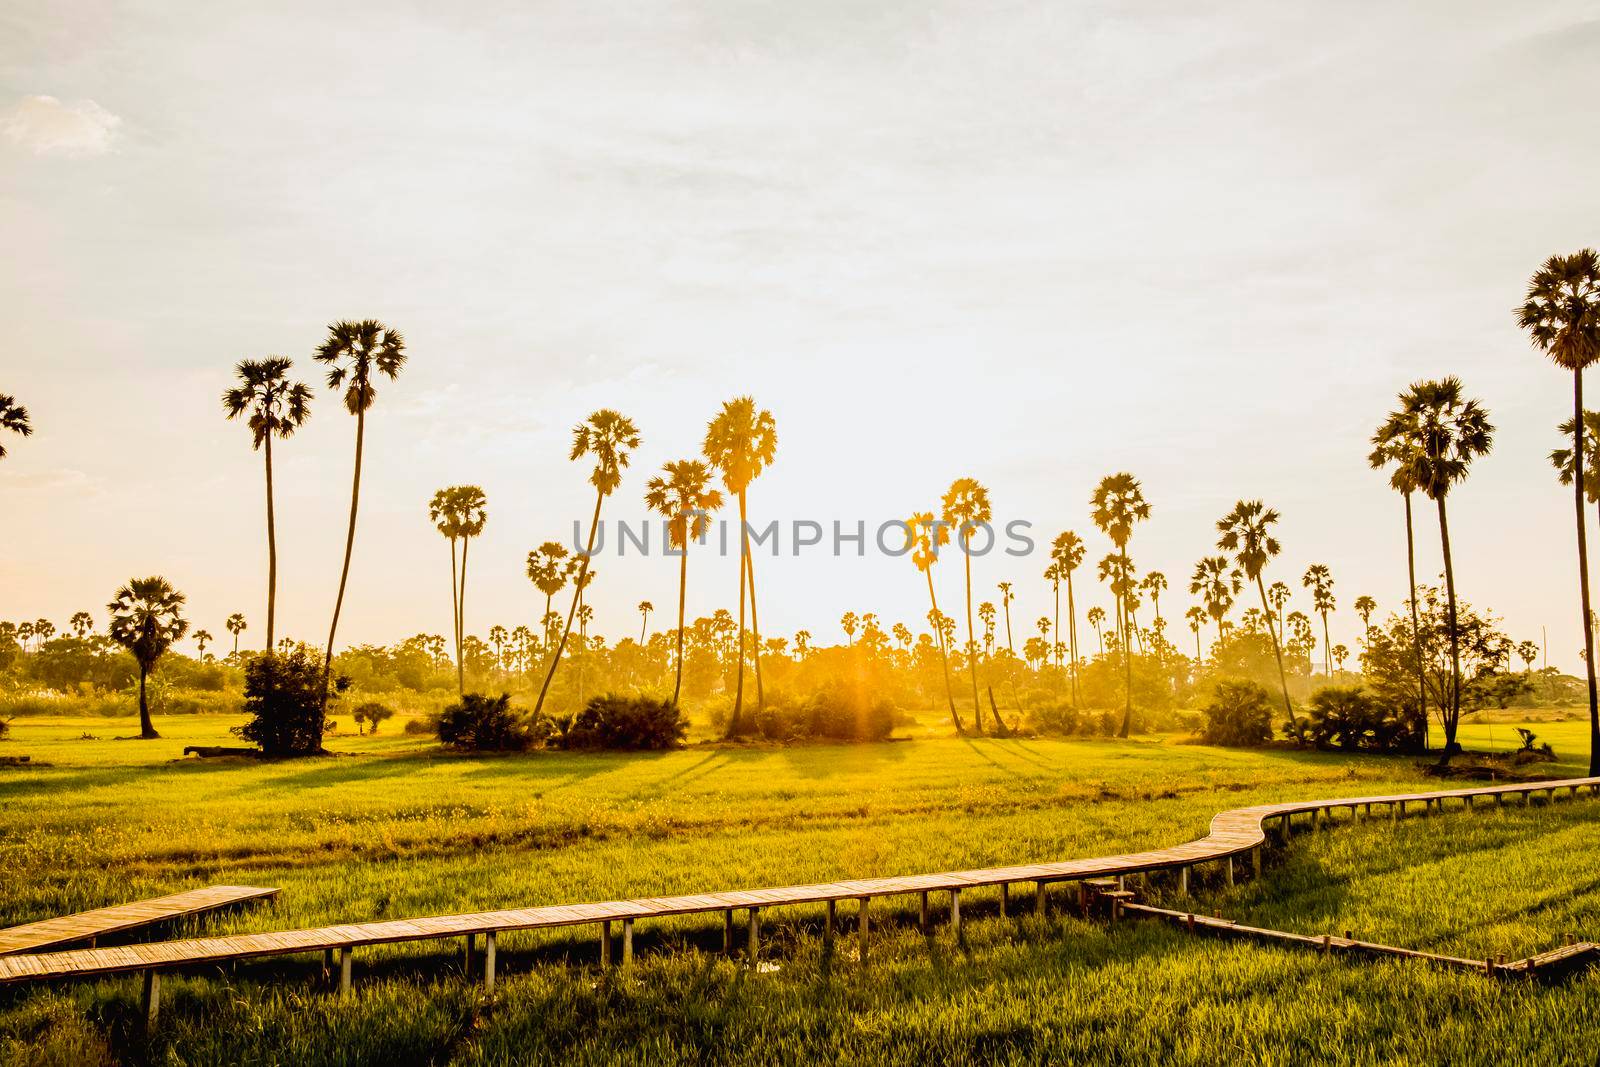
[(605, 943), (1183, 880), (466, 965), (627, 942), (863, 927), (727, 931), (344, 971), (1038, 898), (1288, 827), (1230, 872), (922, 917), (488, 961), (1005, 897), (753, 948), (327, 962), (1255, 858), (955, 914), (828, 927), (151, 1000)]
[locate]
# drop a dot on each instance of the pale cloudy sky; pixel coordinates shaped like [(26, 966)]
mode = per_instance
[(1028, 242)]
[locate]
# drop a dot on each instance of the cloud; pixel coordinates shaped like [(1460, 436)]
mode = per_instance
[(48, 127)]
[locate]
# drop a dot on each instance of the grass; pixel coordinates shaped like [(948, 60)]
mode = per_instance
[(391, 827)]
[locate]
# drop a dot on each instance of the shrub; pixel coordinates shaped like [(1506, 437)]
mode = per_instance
[(629, 723), (1056, 718), (847, 713), (372, 713), (1239, 715), (1351, 718), (427, 724), (283, 697), (481, 723)]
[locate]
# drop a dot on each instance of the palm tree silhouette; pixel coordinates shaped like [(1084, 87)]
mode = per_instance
[(497, 638), (1319, 580), (354, 352), (549, 567), (610, 437), (202, 638), (236, 626), (1006, 597), (1562, 316), (966, 507), (684, 496), (848, 622), (1247, 533), (13, 417), (645, 608), (741, 442), (1118, 502), (1067, 550), (1278, 593), (1154, 583), (925, 535), (82, 624), (1365, 606), (1216, 582), (1451, 431), (147, 619), (459, 513), (1196, 617), (277, 408), (1395, 442), (1096, 616)]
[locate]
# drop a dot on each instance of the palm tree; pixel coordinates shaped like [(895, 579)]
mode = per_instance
[(1340, 653), (966, 507), (1197, 618), (741, 442), (802, 642), (610, 437), (354, 352), (1562, 316), (202, 638), (1319, 580), (1216, 583), (446, 518), (13, 417), (277, 408), (497, 638), (1395, 442), (1278, 593), (1006, 597), (549, 567), (1365, 606), (459, 513), (925, 535), (1096, 616), (1247, 533), (645, 608), (236, 626), (684, 496), (82, 624), (1118, 502), (849, 622), (146, 619), (1067, 551), (1154, 583), (1451, 431)]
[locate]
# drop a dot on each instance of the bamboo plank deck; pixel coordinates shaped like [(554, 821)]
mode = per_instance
[(1232, 833), (88, 925)]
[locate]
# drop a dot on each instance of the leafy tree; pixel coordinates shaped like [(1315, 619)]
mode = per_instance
[(354, 352), (371, 713), (926, 535), (1247, 533), (275, 408), (741, 442), (684, 496), (480, 723), (147, 619), (1562, 316), (1117, 503), (965, 508), (13, 418), (283, 695), (610, 438)]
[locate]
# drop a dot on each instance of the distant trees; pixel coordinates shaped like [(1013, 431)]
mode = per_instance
[(1067, 551), (147, 619), (354, 353), (1117, 503), (13, 418), (683, 495), (1562, 316), (927, 535), (275, 408)]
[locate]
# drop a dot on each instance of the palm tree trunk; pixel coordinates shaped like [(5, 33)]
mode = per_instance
[(272, 555), (1072, 632), (455, 616), (734, 724), (1126, 620), (972, 644), (236, 643), (461, 619), (577, 591), (644, 625), (1197, 647), (755, 631), (683, 588), (1583, 571), (1416, 625), (349, 547), (1056, 625), (944, 653), (147, 729), (1452, 713), (1283, 679), (1327, 648)]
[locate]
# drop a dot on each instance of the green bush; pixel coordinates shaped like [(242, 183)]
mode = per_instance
[(283, 697), (1239, 715), (1348, 717), (629, 723), (372, 713), (481, 723), (846, 712), (1058, 717)]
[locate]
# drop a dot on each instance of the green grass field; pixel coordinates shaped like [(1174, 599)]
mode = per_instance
[(392, 827)]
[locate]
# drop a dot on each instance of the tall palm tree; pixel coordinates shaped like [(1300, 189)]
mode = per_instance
[(965, 508), (446, 518), (354, 352), (741, 443), (1395, 443), (147, 619), (1319, 580), (925, 535), (1197, 617), (459, 513), (1452, 431), (1096, 616), (13, 417), (236, 626), (82, 624), (1154, 583), (549, 568), (202, 638), (1067, 550), (849, 622), (1118, 502), (684, 496), (1006, 597), (1052, 574), (645, 608), (276, 407), (1216, 582), (1365, 606), (1562, 316), (610, 438), (1278, 593), (1247, 533)]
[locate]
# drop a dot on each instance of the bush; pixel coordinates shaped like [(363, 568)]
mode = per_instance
[(628, 723), (372, 713), (1056, 718), (481, 723), (1239, 715), (428, 724), (847, 713), (1350, 718), (283, 697)]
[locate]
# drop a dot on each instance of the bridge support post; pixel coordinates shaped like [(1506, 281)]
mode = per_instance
[(727, 932), (1183, 881), (466, 954), (1039, 901), (605, 943), (922, 916), (955, 914), (863, 928), (1255, 860), (1230, 872), (150, 1000), (488, 961), (627, 942), (344, 971), (1005, 898), (753, 947), (828, 925)]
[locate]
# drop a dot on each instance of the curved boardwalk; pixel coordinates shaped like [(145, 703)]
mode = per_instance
[(1233, 834)]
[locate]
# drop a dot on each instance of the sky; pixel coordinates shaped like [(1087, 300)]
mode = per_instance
[(1028, 242)]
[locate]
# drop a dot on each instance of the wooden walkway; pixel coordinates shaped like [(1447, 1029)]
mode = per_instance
[(89, 925), (1234, 834)]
